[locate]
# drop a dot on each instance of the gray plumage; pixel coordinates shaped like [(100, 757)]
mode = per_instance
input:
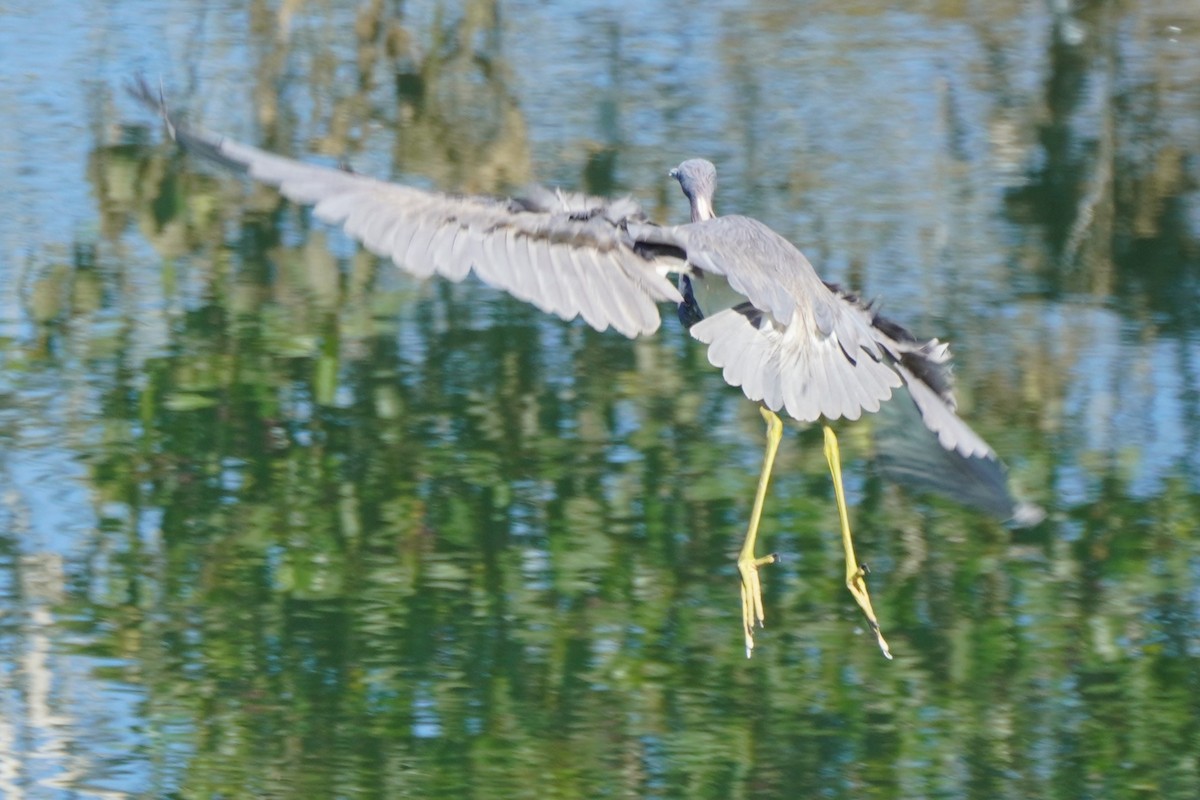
[(787, 339), (797, 343)]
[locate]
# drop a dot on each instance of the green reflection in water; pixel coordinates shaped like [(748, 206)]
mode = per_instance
[(463, 549), (362, 537)]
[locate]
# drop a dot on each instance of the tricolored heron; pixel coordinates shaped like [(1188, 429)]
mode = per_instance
[(791, 341)]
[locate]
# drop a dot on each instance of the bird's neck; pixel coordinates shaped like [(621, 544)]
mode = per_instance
[(702, 209)]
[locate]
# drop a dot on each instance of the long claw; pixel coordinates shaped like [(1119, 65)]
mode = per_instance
[(857, 585)]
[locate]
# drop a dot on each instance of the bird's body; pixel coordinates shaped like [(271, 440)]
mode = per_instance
[(788, 339)]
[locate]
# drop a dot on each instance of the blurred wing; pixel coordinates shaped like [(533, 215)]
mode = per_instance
[(909, 454), (568, 254)]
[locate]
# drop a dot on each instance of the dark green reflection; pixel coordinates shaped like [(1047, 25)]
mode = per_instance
[(365, 537), (462, 549)]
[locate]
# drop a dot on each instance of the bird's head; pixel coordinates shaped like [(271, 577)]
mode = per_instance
[(698, 179)]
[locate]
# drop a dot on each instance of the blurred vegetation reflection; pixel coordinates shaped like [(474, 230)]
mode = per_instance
[(362, 536)]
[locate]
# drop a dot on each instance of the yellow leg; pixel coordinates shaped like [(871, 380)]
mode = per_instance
[(752, 605), (855, 576)]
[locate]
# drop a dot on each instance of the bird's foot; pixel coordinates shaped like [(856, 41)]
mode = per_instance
[(752, 604), (856, 582)]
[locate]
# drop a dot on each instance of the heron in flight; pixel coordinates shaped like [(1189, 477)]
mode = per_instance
[(791, 341)]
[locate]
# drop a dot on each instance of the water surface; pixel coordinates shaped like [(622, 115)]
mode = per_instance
[(279, 521)]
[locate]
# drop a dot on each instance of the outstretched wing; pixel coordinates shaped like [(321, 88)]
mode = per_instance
[(568, 254), (800, 345)]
